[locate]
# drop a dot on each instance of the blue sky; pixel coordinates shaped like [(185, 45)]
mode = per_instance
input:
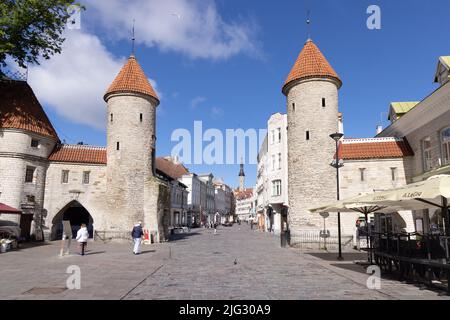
[(234, 62)]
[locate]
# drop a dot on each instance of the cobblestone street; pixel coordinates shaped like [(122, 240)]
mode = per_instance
[(237, 263)]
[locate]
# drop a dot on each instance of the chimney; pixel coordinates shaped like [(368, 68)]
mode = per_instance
[(379, 129)]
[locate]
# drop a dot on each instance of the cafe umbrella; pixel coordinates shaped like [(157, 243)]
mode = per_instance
[(431, 193), (358, 204)]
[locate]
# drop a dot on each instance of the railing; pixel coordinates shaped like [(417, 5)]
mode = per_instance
[(312, 239), (412, 245), (420, 258)]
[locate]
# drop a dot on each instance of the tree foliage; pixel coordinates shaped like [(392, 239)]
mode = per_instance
[(31, 29)]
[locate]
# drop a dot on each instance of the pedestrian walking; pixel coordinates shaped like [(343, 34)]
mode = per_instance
[(137, 234), (216, 221), (82, 238)]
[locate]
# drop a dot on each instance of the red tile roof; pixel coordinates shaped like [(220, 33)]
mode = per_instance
[(131, 79), (310, 63), (7, 209), (242, 195), (79, 154), (20, 109), (97, 155), (173, 170), (374, 148)]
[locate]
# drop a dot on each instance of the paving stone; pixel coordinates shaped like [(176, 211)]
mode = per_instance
[(200, 267)]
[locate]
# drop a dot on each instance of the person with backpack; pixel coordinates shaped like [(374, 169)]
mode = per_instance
[(137, 234), (82, 238)]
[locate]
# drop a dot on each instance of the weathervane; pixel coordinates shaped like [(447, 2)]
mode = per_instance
[(133, 39), (308, 23)]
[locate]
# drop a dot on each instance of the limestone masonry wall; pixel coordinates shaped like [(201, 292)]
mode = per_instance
[(312, 180)]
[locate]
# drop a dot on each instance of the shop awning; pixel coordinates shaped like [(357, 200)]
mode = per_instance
[(7, 209)]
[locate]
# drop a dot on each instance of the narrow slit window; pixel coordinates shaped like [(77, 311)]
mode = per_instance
[(324, 103), (118, 145), (394, 174), (141, 117), (293, 107), (112, 117), (86, 175), (307, 135), (362, 173), (65, 176)]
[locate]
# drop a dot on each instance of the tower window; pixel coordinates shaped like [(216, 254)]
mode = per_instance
[(118, 145), (324, 103), (307, 135), (141, 117), (112, 117), (293, 107), (29, 174), (34, 143), (362, 172)]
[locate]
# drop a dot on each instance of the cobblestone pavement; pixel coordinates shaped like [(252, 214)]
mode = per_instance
[(237, 263)]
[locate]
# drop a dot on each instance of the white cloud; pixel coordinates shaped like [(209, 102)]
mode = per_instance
[(192, 27), (197, 101), (74, 82)]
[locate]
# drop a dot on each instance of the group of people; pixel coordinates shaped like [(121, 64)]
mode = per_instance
[(137, 234)]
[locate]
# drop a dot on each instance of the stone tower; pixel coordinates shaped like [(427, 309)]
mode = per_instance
[(312, 110), (27, 138), (131, 103), (242, 177)]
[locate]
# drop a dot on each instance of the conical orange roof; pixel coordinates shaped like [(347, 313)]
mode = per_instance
[(20, 109), (311, 63), (131, 79)]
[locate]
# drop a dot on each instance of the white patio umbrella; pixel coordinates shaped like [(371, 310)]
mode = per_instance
[(432, 193), (361, 205)]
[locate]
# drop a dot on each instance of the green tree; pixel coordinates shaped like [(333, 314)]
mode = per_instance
[(31, 29)]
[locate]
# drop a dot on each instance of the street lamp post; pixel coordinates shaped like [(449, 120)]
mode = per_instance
[(337, 164)]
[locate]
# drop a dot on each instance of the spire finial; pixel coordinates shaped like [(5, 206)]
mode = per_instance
[(133, 39), (308, 23)]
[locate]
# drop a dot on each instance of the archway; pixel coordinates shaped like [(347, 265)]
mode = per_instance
[(77, 215)]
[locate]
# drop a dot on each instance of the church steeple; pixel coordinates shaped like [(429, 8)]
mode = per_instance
[(242, 177)]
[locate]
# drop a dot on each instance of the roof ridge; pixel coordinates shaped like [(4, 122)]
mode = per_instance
[(85, 146), (372, 140)]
